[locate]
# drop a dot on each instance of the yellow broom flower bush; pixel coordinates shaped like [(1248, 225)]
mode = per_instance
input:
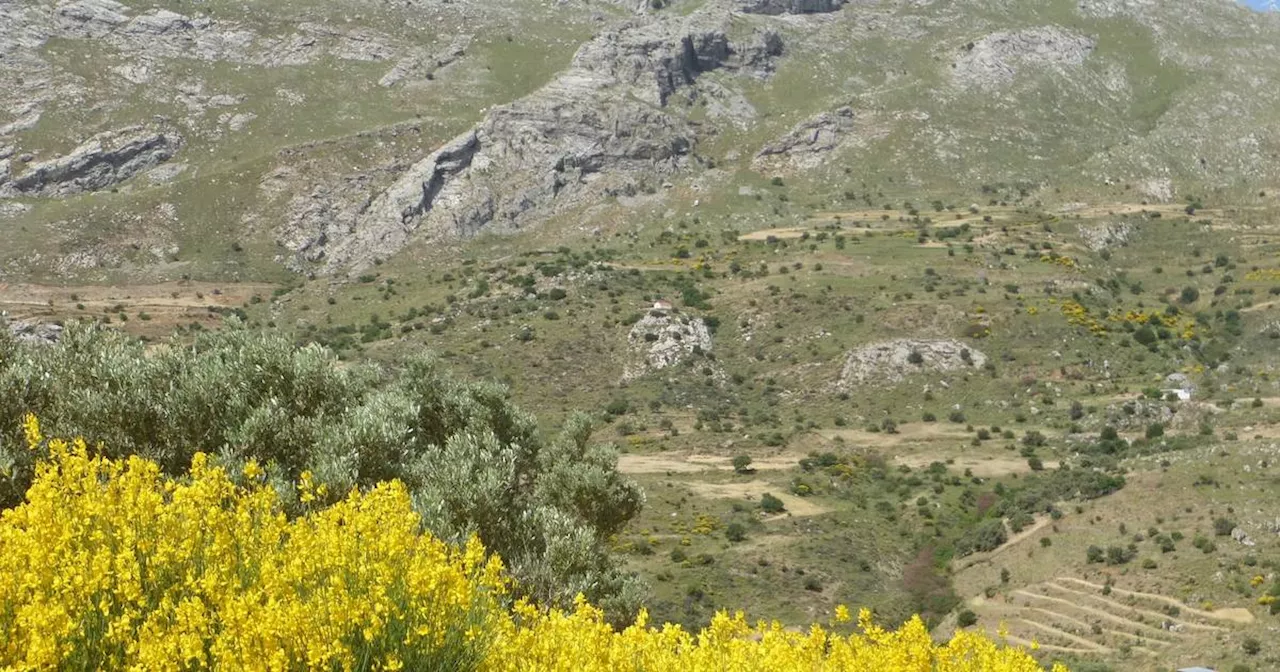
[(109, 564)]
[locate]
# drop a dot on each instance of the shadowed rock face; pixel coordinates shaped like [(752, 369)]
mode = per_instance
[(791, 6), (100, 163)]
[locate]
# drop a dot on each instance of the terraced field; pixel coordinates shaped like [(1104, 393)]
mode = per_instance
[(1076, 616)]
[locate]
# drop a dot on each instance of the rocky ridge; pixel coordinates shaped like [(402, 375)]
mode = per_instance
[(600, 128), (102, 162)]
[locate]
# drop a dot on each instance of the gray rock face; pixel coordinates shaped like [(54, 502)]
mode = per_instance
[(104, 160), (90, 18), (805, 144), (892, 361), (995, 60), (656, 58), (598, 129), (775, 7)]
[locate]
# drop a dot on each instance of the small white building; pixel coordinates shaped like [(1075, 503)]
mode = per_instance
[(663, 305)]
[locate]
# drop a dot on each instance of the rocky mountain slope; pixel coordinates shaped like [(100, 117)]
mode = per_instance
[(326, 139)]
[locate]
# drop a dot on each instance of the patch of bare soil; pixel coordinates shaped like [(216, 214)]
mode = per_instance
[(153, 309), (765, 234), (981, 466), (681, 463), (752, 490)]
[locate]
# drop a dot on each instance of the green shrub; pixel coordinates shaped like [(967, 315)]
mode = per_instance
[(986, 536), (771, 504)]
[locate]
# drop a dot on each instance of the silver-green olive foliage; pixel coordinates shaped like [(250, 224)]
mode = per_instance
[(475, 463)]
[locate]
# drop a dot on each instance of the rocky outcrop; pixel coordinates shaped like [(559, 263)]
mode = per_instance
[(599, 129), (90, 18), (654, 59), (807, 143), (29, 331), (996, 59), (423, 65), (1108, 234), (162, 33), (1242, 537), (663, 339), (893, 361), (103, 161), (775, 7)]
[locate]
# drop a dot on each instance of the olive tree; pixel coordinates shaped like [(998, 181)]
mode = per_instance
[(474, 462)]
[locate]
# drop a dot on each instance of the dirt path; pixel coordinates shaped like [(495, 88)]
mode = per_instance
[(1026, 644), (981, 466), (781, 234), (1140, 640), (681, 463), (1260, 306), (1041, 523), (912, 432), (986, 558), (1108, 209), (1063, 634)]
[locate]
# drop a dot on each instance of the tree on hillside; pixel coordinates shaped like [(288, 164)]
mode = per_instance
[(473, 462)]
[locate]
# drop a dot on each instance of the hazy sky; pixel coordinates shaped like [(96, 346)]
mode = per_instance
[(1257, 4)]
